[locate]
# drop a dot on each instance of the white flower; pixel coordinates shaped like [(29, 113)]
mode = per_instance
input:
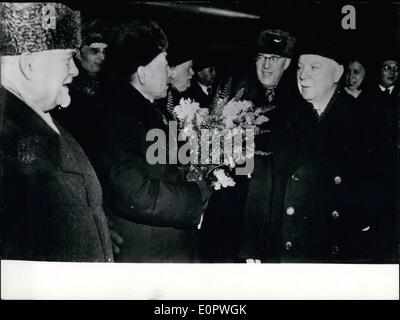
[(260, 120), (186, 110), (222, 180)]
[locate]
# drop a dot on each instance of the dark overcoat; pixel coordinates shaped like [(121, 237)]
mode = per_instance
[(51, 199), (315, 204), (156, 210)]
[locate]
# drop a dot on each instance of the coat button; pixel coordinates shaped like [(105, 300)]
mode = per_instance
[(290, 211), (288, 245), (335, 214), (335, 250), (295, 177), (338, 180)]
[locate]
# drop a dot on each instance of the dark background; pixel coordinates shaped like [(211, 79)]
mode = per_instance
[(217, 29), (228, 37)]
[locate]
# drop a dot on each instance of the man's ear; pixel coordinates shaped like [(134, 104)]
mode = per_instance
[(141, 74), (287, 63), (26, 64), (78, 54), (339, 69)]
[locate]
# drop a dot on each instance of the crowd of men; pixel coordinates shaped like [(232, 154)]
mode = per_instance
[(77, 102)]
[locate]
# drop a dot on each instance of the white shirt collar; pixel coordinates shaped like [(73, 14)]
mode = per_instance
[(383, 89), (203, 88), (48, 119)]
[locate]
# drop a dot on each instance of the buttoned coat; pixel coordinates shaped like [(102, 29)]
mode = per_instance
[(155, 210), (315, 206), (51, 199)]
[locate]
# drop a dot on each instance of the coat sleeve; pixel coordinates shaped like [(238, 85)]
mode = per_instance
[(141, 195)]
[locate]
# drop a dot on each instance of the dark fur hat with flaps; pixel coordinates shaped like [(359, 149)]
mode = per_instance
[(136, 44), (34, 27), (275, 41)]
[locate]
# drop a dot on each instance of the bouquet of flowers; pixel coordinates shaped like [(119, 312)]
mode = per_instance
[(232, 124)]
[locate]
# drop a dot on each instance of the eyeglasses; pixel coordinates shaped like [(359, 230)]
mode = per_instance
[(261, 58), (390, 68)]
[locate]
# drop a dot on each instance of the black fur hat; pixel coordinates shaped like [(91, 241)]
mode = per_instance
[(137, 44), (274, 41), (327, 45), (34, 27), (179, 51)]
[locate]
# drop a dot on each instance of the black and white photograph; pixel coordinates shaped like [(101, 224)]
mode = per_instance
[(199, 150)]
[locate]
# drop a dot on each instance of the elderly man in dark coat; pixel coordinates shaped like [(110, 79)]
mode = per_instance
[(156, 210), (318, 213), (50, 196)]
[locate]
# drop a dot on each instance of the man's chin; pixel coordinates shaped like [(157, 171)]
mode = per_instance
[(64, 101)]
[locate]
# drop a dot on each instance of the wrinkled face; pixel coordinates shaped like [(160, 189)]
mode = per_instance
[(317, 77), (270, 68), (355, 75), (52, 70), (389, 73), (181, 75), (157, 74), (207, 76), (93, 57)]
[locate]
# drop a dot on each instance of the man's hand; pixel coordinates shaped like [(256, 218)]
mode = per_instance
[(116, 239)]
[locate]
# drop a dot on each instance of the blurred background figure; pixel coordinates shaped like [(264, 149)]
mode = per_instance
[(202, 88), (82, 118), (355, 77), (383, 117), (180, 61)]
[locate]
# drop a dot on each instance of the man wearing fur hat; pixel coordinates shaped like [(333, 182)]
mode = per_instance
[(155, 210), (88, 90), (236, 218), (51, 198)]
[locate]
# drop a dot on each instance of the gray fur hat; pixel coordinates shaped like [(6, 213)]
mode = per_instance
[(35, 27)]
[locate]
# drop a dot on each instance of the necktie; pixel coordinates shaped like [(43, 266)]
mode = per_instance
[(270, 94), (387, 92)]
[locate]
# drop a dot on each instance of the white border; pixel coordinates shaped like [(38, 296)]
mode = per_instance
[(109, 281)]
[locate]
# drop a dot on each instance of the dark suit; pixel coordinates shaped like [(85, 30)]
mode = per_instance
[(381, 115), (196, 93), (82, 118), (156, 210), (50, 195)]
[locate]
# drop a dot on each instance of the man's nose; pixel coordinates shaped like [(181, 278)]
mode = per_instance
[(73, 70), (302, 74), (102, 55), (267, 63), (191, 72)]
